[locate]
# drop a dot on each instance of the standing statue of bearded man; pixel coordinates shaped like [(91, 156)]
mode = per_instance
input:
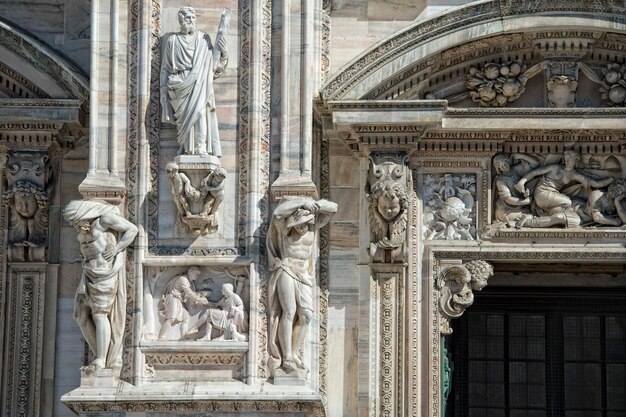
[(190, 62)]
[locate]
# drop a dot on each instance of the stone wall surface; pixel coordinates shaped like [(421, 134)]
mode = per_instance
[(359, 24), (450, 142)]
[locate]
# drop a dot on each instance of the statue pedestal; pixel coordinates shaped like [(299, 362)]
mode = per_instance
[(202, 194), (197, 161), (200, 225), (97, 378), (295, 378)]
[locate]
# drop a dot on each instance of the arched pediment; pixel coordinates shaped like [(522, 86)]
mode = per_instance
[(43, 96), (433, 58), (29, 66)]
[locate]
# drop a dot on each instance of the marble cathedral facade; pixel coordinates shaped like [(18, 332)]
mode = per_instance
[(312, 208)]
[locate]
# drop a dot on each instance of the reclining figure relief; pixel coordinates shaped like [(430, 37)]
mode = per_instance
[(533, 192)]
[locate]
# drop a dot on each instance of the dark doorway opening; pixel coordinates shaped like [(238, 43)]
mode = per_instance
[(544, 352)]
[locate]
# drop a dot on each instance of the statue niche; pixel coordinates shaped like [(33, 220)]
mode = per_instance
[(389, 200), (540, 192)]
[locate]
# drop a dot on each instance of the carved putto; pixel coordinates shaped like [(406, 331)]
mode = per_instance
[(496, 85), (613, 85), (449, 207), (456, 284), (538, 192), (197, 207), (389, 206)]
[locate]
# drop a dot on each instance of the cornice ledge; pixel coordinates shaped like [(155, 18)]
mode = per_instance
[(41, 102), (537, 111), (387, 112), (310, 407), (47, 111)]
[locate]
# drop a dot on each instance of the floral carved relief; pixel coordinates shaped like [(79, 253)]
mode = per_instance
[(496, 85), (449, 212)]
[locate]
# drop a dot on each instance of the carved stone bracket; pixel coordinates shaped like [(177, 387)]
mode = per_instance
[(381, 126), (28, 184), (198, 191), (389, 182), (456, 284)]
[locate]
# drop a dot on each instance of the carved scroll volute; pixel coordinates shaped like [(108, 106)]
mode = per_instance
[(27, 188), (456, 284), (388, 193)]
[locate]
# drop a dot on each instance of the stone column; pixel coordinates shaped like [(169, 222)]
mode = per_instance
[(389, 282), (300, 62), (106, 102), (21, 377)]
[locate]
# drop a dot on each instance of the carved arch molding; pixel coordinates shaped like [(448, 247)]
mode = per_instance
[(43, 115), (442, 98)]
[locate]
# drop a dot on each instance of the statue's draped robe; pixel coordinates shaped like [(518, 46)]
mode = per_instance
[(102, 288), (231, 312), (176, 293), (188, 70)]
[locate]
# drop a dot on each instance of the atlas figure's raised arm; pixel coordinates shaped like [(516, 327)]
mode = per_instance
[(118, 223), (325, 211), (289, 206)]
